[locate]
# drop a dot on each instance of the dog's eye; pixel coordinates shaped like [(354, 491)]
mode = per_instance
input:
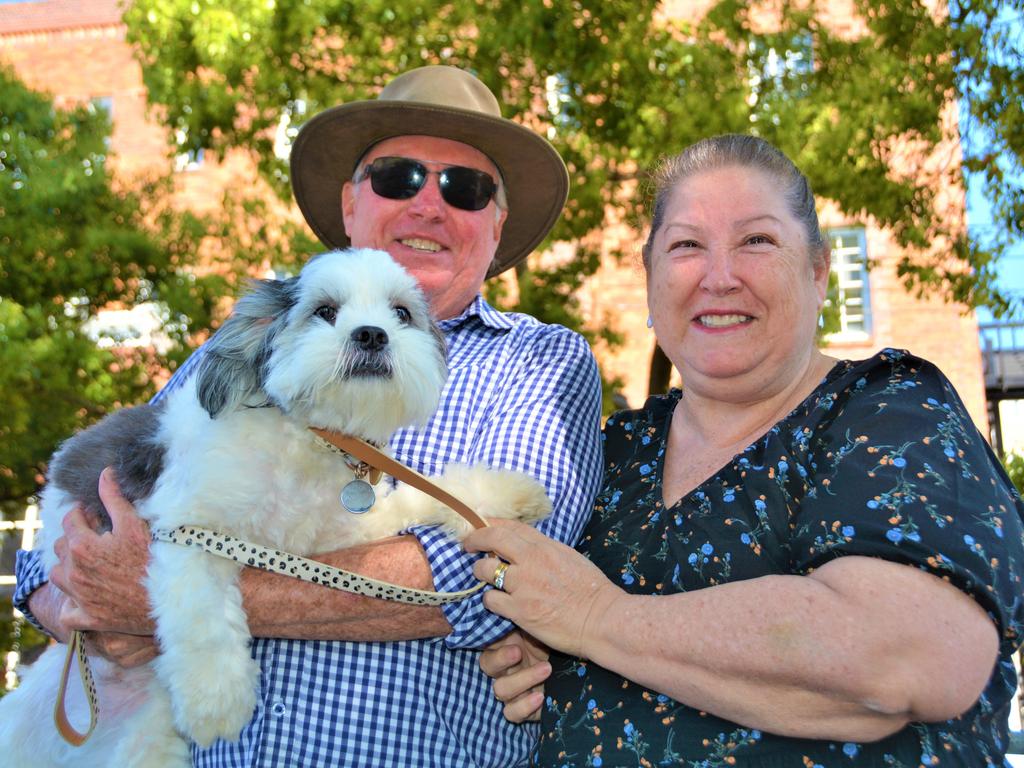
[(403, 314), (327, 313)]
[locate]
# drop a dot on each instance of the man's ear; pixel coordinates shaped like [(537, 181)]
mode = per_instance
[(499, 222), (348, 204)]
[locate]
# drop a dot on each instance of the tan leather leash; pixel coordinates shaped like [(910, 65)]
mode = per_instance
[(284, 563), (76, 649), (379, 460)]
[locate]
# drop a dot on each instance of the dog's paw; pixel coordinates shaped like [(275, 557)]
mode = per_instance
[(497, 493), (216, 702)]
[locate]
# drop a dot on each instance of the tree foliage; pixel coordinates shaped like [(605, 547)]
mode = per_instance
[(1014, 464), (616, 84), (73, 241), (69, 245)]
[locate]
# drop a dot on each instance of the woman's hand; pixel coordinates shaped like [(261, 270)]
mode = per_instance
[(550, 590), (519, 666)]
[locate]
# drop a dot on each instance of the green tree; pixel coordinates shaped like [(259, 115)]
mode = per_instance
[(74, 241), (617, 85), (1014, 463), (72, 244)]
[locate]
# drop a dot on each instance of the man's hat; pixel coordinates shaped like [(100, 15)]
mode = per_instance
[(431, 101)]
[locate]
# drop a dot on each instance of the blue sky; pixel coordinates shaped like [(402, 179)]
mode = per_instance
[(1011, 267)]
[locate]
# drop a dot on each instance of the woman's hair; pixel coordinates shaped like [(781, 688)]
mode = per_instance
[(735, 150)]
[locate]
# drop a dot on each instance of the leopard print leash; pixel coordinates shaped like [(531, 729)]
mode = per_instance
[(247, 553), (276, 561)]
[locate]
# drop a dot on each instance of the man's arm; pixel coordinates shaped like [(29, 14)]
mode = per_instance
[(555, 403), (98, 586)]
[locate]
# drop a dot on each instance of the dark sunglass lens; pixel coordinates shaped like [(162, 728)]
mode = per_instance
[(466, 188), (396, 178)]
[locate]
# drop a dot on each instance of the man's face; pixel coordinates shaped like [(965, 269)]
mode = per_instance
[(447, 250)]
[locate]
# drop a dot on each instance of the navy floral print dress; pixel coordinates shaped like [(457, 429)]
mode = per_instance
[(881, 460)]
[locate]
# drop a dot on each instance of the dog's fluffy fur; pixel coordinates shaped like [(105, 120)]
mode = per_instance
[(348, 346)]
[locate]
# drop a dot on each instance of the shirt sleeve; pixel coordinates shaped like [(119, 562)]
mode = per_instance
[(29, 576), (28, 568), (545, 423), (901, 473)]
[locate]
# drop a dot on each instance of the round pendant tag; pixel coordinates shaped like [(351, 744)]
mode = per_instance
[(358, 496)]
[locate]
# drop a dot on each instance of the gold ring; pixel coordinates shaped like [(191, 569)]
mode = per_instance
[(499, 576)]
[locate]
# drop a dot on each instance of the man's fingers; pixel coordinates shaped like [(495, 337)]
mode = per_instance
[(124, 650), (524, 708), (75, 521), (60, 548), (117, 506), (497, 661), (512, 686)]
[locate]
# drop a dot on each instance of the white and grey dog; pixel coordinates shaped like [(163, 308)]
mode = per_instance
[(348, 346)]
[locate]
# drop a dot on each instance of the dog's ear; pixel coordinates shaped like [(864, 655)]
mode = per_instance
[(232, 369)]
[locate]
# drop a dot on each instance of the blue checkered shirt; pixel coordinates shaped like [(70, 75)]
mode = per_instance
[(521, 395)]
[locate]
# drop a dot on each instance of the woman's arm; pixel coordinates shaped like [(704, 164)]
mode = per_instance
[(853, 651)]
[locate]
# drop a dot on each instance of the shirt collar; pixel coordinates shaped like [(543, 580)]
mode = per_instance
[(478, 308)]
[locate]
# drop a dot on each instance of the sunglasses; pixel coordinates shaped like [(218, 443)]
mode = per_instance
[(399, 178)]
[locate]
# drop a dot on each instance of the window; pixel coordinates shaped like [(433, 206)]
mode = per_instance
[(850, 265), (103, 105), (292, 116), (189, 158)]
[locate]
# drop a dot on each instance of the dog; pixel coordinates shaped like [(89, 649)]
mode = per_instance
[(348, 345)]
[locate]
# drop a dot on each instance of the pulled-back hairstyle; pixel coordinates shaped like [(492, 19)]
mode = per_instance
[(735, 150)]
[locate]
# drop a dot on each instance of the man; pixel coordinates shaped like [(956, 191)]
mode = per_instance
[(430, 172)]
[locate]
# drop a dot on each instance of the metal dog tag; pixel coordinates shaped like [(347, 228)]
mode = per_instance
[(358, 496)]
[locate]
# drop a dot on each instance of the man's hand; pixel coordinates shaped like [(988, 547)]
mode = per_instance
[(101, 575), (124, 650), (54, 610), (519, 666)]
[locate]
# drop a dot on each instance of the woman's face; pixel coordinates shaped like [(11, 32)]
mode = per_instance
[(731, 286)]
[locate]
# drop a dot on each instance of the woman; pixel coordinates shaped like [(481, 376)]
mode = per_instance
[(794, 561)]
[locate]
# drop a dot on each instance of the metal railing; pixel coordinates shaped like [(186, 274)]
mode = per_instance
[(1002, 349)]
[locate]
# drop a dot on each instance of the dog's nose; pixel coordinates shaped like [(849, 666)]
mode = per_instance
[(370, 338)]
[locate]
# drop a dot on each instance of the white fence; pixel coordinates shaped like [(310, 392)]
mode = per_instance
[(27, 526)]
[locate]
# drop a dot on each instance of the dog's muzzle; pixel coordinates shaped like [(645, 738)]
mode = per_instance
[(370, 356)]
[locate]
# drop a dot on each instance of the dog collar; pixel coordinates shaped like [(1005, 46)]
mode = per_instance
[(359, 468)]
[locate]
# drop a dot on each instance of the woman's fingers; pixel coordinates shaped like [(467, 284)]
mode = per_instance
[(493, 571), (509, 539)]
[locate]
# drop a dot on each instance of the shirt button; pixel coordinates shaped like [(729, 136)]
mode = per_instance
[(278, 707)]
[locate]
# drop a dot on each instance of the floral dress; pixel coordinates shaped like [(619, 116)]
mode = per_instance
[(881, 460)]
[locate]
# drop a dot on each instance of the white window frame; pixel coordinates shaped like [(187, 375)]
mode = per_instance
[(850, 263)]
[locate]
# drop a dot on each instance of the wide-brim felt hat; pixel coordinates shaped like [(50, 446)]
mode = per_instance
[(431, 101)]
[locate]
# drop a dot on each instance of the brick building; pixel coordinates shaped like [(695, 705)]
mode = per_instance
[(76, 50)]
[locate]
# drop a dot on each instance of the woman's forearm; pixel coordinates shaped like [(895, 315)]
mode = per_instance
[(854, 651)]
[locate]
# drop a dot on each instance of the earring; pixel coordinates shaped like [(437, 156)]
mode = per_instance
[(650, 321)]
